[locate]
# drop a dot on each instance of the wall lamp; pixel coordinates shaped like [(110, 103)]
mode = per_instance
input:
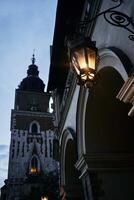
[(83, 56), (83, 52)]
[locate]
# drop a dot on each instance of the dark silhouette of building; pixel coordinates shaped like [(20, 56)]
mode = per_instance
[(31, 162), (95, 126)]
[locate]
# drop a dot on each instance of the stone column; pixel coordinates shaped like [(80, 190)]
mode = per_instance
[(82, 167)]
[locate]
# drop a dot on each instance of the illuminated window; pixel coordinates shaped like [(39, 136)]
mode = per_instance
[(34, 165)]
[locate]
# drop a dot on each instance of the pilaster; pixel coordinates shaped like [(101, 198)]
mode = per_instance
[(89, 166)]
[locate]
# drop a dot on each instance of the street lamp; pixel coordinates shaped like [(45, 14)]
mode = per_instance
[(82, 51), (83, 56)]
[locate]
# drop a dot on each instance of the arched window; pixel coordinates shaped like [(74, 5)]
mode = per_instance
[(34, 128), (34, 165)]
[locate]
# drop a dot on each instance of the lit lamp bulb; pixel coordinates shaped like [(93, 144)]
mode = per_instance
[(44, 198)]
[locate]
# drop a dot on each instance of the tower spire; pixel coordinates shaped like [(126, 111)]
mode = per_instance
[(33, 59)]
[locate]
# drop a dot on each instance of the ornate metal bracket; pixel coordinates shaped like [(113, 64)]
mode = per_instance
[(115, 18)]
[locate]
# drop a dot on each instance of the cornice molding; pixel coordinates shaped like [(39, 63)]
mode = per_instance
[(30, 113), (94, 10), (67, 105), (126, 93), (105, 162)]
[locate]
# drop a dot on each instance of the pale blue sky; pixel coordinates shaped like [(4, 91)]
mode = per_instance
[(24, 25)]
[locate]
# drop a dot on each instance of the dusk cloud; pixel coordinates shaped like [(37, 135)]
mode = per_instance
[(4, 155)]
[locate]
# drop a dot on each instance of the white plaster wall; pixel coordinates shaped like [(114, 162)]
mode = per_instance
[(70, 121), (107, 35)]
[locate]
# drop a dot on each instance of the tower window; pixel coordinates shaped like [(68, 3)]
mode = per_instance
[(34, 128), (34, 165)]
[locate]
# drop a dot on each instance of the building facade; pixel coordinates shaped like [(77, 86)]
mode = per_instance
[(32, 136), (95, 127)]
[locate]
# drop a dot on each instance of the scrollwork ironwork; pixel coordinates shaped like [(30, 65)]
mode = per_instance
[(114, 18), (120, 19)]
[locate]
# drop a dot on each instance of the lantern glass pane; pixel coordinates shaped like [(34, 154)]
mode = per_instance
[(91, 58), (80, 56), (83, 77), (91, 76), (75, 65)]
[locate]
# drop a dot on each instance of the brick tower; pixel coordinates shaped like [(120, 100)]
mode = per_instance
[(32, 137)]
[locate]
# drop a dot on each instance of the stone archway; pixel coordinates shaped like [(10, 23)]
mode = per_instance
[(107, 125), (105, 130), (70, 183), (107, 57)]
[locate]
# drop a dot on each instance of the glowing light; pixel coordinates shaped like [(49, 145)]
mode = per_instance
[(83, 55), (33, 170), (44, 198)]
